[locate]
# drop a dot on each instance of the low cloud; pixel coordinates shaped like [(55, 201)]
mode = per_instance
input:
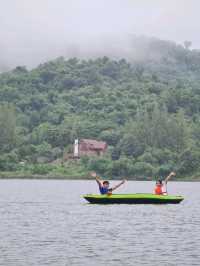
[(34, 31)]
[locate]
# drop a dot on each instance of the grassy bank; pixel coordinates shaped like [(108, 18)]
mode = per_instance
[(24, 175), (76, 174), (47, 171), (80, 169)]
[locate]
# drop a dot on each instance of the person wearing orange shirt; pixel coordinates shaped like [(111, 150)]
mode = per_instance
[(159, 188)]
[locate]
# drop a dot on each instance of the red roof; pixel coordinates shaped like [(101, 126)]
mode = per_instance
[(94, 144)]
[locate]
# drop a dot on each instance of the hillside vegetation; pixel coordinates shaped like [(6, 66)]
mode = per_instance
[(148, 111)]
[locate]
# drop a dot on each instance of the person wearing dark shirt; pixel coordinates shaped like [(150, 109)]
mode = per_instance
[(104, 185)]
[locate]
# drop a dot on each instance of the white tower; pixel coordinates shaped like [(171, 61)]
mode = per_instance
[(76, 154)]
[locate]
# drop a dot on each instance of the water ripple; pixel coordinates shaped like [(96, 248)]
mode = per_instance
[(48, 224)]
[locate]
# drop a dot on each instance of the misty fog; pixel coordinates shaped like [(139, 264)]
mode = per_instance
[(34, 31)]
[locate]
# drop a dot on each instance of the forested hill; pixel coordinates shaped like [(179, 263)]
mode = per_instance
[(148, 111)]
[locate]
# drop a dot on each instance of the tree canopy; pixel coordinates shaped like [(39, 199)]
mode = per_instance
[(148, 111)]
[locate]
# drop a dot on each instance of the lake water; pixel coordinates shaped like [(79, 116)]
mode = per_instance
[(46, 222)]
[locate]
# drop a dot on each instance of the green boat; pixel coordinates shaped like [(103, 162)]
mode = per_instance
[(139, 198)]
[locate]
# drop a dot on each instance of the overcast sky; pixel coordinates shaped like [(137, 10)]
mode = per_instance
[(33, 31)]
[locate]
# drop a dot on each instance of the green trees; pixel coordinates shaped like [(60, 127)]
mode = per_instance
[(189, 161), (7, 127), (8, 155), (148, 112)]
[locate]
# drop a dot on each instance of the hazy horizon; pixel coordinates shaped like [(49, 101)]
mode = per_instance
[(33, 32)]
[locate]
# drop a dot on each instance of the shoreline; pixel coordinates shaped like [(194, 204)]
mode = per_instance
[(28, 176)]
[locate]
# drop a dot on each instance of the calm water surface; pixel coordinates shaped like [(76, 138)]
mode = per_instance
[(48, 223)]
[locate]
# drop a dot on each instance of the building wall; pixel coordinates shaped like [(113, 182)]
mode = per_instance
[(87, 152), (85, 148)]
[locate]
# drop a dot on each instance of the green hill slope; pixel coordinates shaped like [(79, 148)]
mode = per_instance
[(148, 111)]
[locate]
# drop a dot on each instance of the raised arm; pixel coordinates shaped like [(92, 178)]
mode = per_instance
[(94, 174), (118, 185), (169, 176)]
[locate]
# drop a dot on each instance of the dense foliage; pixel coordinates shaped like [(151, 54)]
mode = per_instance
[(147, 111)]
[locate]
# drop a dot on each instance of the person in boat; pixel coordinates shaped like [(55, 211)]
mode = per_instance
[(104, 186), (160, 184)]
